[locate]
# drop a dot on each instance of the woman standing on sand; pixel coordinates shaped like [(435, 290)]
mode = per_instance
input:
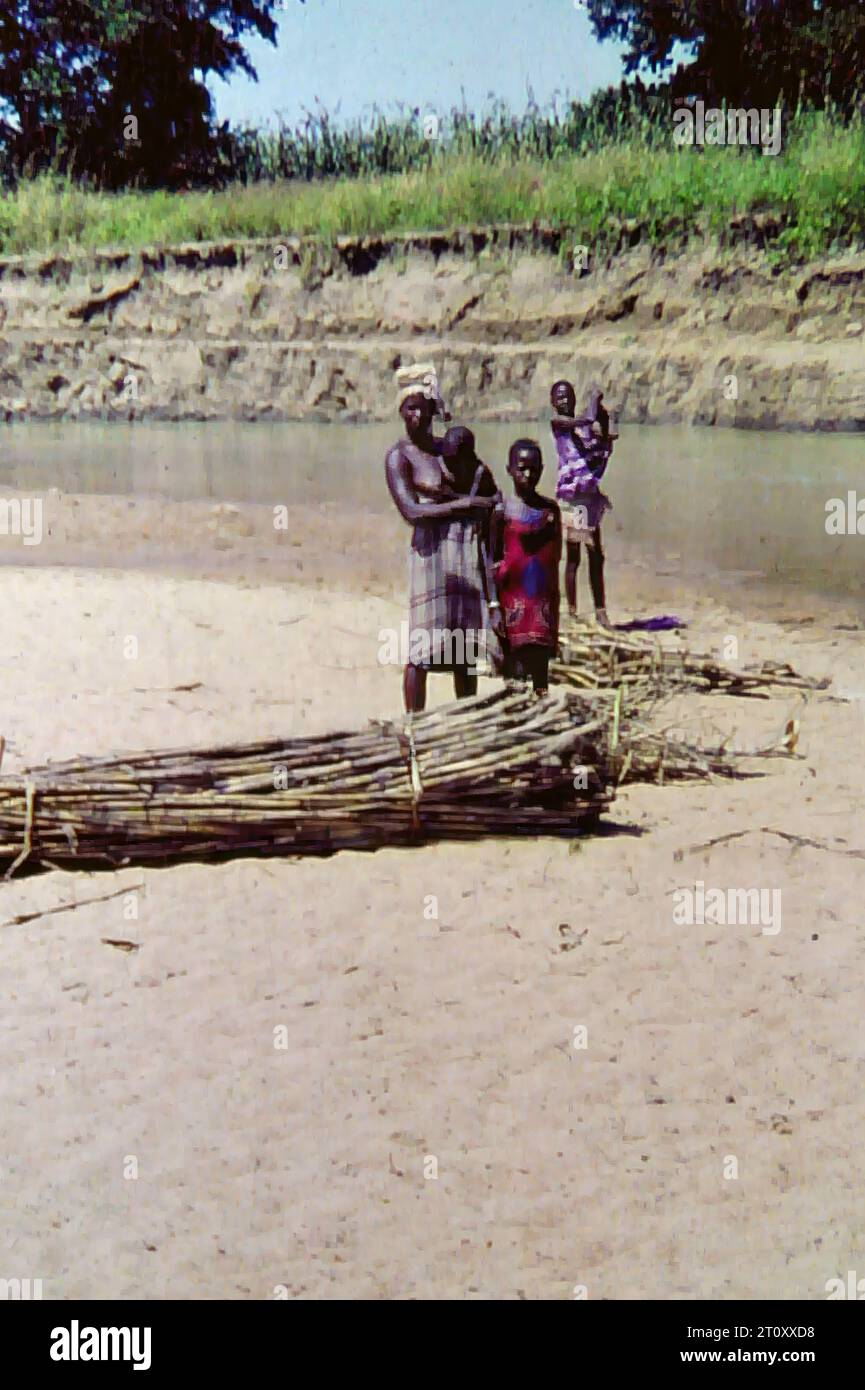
[(450, 615)]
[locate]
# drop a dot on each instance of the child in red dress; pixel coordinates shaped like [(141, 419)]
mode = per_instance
[(529, 541)]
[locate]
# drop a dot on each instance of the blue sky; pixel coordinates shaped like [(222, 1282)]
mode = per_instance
[(353, 54)]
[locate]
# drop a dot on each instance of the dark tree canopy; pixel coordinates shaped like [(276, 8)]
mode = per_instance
[(72, 72), (745, 51)]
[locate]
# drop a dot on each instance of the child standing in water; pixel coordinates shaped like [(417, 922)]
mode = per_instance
[(529, 541), (583, 446)]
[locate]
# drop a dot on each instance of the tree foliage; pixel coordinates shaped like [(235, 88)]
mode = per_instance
[(71, 73), (745, 51)]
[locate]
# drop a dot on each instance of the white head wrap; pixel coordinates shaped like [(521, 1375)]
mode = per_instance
[(421, 379)]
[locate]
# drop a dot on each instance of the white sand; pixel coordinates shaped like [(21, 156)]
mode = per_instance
[(410, 1038)]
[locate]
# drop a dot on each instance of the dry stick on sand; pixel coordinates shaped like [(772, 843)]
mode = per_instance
[(504, 763), (22, 917), (798, 841)]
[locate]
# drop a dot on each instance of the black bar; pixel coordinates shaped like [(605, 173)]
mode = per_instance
[(240, 1338)]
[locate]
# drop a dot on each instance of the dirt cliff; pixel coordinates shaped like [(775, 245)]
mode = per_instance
[(286, 330)]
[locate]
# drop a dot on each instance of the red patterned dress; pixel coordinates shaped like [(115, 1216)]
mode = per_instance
[(527, 577)]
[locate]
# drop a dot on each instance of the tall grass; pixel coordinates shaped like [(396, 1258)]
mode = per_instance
[(319, 148), (814, 193)]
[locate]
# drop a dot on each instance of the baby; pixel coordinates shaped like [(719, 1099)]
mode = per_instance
[(468, 474)]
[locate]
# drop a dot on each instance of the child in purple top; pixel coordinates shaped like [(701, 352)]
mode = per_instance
[(583, 445)]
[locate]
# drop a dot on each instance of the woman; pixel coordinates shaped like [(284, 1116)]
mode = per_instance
[(450, 612)]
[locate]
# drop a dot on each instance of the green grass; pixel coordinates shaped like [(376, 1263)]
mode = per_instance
[(815, 188)]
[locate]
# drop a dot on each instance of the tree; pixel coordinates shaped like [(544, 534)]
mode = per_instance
[(744, 51), (72, 74)]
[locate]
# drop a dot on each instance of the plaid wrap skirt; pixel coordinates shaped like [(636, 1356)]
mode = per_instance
[(448, 613)]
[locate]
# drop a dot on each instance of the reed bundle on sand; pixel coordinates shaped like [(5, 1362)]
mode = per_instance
[(595, 658), (504, 763), (497, 764)]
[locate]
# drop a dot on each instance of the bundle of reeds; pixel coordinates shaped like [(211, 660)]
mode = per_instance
[(596, 658), (497, 764), (506, 763)]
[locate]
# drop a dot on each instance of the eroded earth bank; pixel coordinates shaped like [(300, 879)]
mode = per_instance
[(286, 330)]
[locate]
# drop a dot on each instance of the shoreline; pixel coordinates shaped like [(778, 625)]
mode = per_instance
[(327, 545)]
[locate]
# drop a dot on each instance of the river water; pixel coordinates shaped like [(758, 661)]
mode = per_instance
[(743, 505)]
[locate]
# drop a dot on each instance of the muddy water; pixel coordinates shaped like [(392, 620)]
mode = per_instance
[(745, 506)]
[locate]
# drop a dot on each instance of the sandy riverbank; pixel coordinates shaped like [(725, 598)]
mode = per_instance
[(410, 1038)]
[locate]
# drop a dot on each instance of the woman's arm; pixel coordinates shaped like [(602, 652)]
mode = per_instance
[(497, 533), (401, 485), (484, 486), (492, 554)]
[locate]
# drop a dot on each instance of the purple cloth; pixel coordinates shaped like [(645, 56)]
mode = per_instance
[(667, 622), (575, 475), (582, 462)]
